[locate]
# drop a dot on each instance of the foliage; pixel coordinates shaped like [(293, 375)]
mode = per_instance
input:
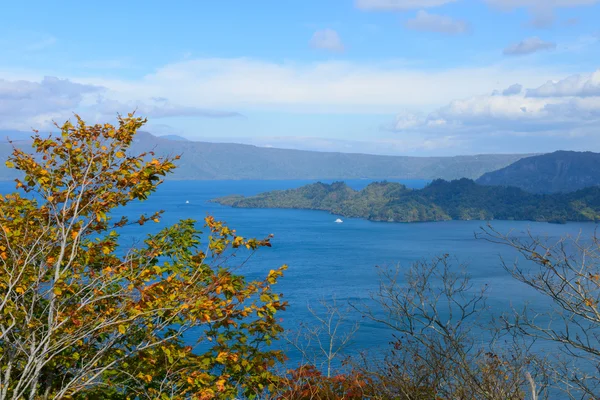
[(82, 317), (565, 271), (322, 341), (435, 311), (308, 383), (457, 200)]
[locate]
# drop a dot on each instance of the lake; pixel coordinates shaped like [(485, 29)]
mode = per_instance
[(328, 260)]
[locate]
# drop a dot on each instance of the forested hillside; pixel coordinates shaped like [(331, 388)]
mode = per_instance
[(561, 171), (441, 200)]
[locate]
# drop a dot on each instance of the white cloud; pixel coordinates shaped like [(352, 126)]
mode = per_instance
[(23, 101), (332, 86), (425, 21), (327, 39), (202, 87), (25, 104), (398, 5), (575, 85), (542, 11), (157, 108), (564, 108), (529, 46)]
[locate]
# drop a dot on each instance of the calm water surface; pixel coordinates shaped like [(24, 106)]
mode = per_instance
[(326, 259)]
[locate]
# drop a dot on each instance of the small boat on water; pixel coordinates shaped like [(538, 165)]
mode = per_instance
[(187, 202), (338, 221)]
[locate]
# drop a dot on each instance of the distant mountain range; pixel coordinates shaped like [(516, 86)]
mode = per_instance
[(561, 171), (174, 137), (221, 161), (441, 200)]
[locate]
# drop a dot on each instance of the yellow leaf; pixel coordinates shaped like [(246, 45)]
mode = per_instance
[(57, 291), (122, 329), (589, 302), (119, 154)]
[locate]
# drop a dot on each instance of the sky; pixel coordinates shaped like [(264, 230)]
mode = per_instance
[(400, 77)]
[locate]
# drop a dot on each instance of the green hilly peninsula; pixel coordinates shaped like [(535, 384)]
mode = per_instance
[(561, 171), (441, 200)]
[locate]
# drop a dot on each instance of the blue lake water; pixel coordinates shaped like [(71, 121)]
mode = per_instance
[(326, 259)]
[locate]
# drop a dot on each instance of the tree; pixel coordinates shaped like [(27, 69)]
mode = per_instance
[(435, 312), (566, 273), (322, 341), (83, 317)]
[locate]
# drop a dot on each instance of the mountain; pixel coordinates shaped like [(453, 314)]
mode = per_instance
[(206, 161), (220, 161), (441, 200), (561, 171), (174, 137)]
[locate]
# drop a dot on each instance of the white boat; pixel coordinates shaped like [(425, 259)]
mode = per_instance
[(338, 221), (187, 202)]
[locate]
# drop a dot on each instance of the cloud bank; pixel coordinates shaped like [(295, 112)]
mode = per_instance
[(567, 107), (455, 110), (23, 103), (29, 104), (248, 85)]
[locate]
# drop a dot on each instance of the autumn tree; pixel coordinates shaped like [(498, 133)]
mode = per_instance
[(565, 273), (322, 339), (443, 348), (323, 371), (81, 316)]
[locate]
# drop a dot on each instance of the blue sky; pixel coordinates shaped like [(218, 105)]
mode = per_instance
[(426, 77)]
